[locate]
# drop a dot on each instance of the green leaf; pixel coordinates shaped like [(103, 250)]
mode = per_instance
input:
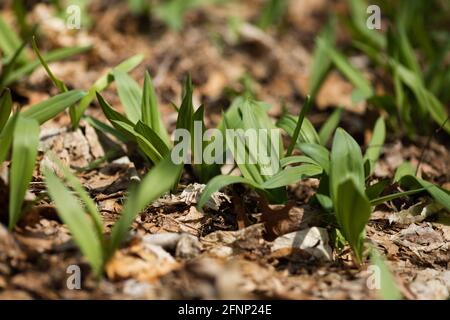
[(349, 71), (76, 186), (49, 57), (321, 61), (298, 126), (318, 153), (297, 159), (307, 132), (158, 181), (24, 152), (130, 95), (9, 40), (439, 195), (219, 182), (186, 110), (291, 175), (150, 111), (80, 225), (330, 126), (346, 163), (352, 213), (426, 99), (389, 197), (388, 289), (375, 146), (5, 107), (6, 136), (103, 82), (49, 108), (58, 83)]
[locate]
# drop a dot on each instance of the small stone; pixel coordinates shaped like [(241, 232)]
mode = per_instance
[(312, 240)]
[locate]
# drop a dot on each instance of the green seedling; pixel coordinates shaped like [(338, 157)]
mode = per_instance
[(20, 131), (247, 114), (79, 212)]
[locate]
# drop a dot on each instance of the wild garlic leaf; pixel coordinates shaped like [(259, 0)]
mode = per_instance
[(24, 151)]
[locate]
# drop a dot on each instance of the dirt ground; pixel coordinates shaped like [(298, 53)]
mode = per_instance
[(175, 251)]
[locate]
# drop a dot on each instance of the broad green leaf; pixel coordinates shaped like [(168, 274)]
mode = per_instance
[(307, 133), (152, 137), (24, 152), (5, 107), (375, 146), (80, 224), (352, 213), (327, 129), (157, 182), (116, 118), (219, 182), (103, 82), (144, 144), (130, 95), (49, 108), (346, 163), (318, 153), (49, 57), (388, 290), (291, 175), (377, 188), (150, 111)]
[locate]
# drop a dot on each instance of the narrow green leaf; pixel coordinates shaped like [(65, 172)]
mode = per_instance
[(5, 107), (103, 82), (80, 225), (291, 175), (298, 126), (6, 136), (24, 152), (220, 182), (49, 108), (388, 290), (375, 146), (327, 129), (158, 181), (321, 61), (49, 57), (76, 185)]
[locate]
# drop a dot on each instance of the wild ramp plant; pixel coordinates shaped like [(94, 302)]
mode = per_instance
[(79, 212), (19, 131), (142, 123)]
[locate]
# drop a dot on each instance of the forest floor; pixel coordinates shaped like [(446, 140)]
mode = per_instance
[(174, 250)]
